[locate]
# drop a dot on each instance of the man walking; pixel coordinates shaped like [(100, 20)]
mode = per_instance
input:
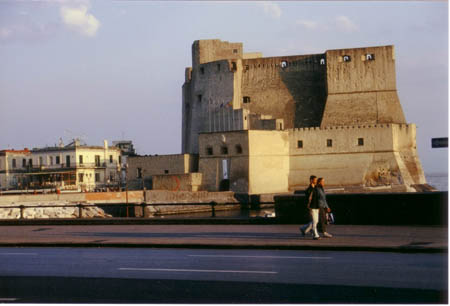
[(323, 206), (309, 194)]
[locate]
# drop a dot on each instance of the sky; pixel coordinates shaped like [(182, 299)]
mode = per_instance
[(114, 69)]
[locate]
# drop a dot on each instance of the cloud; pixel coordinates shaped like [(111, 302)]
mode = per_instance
[(308, 24), (272, 9), (80, 20), (344, 23)]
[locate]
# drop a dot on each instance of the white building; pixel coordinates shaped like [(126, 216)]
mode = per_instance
[(72, 167)]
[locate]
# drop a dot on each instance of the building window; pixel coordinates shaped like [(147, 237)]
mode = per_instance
[(209, 151), (300, 144), (110, 159), (80, 158), (139, 173), (246, 99), (202, 70), (346, 58), (166, 171), (284, 64), (97, 160), (80, 177), (199, 98), (329, 143), (360, 141), (120, 159), (30, 162), (322, 61), (238, 149), (14, 163), (111, 177), (67, 160), (24, 162), (224, 150), (51, 160), (97, 177), (40, 161), (58, 160), (370, 57)]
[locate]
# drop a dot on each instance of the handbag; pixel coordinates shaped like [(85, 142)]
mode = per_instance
[(330, 218)]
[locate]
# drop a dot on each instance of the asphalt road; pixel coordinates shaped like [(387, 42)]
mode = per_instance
[(109, 275)]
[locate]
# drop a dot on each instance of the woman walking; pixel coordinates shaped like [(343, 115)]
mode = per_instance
[(323, 206)]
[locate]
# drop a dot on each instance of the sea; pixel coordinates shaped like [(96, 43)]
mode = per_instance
[(438, 180)]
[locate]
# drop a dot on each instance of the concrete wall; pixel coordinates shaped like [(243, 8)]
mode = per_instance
[(177, 182), (161, 164), (388, 156), (268, 162), (211, 166), (366, 89)]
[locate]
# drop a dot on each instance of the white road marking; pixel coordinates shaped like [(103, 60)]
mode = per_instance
[(194, 270), (20, 254), (8, 299), (250, 256)]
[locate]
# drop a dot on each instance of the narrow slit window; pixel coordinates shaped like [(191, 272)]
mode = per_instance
[(329, 142), (238, 149), (209, 151), (300, 144), (199, 98), (224, 150), (360, 141), (202, 70)]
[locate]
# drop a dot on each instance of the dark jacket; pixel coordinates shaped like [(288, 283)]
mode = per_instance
[(320, 198), (308, 192)]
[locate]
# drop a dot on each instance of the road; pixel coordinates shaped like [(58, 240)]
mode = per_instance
[(134, 275)]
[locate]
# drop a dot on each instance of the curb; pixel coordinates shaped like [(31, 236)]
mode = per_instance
[(399, 249)]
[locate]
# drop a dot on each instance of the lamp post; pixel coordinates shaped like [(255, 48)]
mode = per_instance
[(126, 186)]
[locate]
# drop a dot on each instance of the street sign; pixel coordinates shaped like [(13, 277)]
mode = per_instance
[(439, 142)]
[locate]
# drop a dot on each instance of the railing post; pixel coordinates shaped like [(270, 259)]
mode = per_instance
[(22, 208), (213, 208), (80, 210), (143, 209)]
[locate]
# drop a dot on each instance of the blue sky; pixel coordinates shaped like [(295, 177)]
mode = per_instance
[(114, 69)]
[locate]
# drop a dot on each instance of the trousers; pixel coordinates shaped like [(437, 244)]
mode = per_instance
[(315, 221)]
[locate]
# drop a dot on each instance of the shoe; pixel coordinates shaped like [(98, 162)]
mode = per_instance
[(303, 231), (317, 238), (326, 235)]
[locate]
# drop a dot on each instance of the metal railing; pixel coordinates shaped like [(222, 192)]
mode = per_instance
[(143, 206)]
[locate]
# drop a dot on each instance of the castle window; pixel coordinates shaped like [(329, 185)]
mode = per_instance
[(138, 173), (360, 141), (166, 171), (235, 50), (284, 64), (322, 61), (329, 143), (224, 150), (199, 98), (281, 126), (370, 57), (202, 70), (238, 149), (218, 67), (233, 66), (246, 99), (346, 58), (209, 151), (300, 144), (247, 67)]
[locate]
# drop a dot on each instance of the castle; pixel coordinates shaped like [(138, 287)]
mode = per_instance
[(265, 124)]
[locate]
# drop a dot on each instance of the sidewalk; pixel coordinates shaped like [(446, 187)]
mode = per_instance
[(346, 237)]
